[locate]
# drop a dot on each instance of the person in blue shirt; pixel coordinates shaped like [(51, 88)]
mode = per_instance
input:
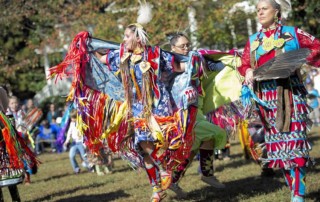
[(48, 133), (313, 99)]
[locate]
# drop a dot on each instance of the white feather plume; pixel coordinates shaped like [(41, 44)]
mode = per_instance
[(285, 7), (144, 13)]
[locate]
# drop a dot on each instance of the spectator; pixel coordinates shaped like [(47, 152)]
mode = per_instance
[(14, 109), (77, 146), (52, 113), (48, 133), (316, 79), (313, 101)]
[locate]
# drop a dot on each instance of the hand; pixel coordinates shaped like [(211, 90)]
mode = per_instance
[(249, 76)]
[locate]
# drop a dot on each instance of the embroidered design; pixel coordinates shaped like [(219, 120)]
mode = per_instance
[(299, 31), (144, 66), (255, 45), (267, 43), (287, 36)]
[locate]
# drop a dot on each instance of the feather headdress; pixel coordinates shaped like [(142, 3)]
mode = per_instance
[(285, 7), (144, 17), (144, 13)]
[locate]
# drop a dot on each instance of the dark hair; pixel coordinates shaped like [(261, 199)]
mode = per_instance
[(174, 38)]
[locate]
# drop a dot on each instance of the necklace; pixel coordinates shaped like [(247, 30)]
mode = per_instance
[(270, 43)]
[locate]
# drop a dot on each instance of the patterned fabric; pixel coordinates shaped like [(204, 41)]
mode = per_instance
[(145, 111), (296, 180), (164, 107), (287, 148), (206, 159), (14, 154)]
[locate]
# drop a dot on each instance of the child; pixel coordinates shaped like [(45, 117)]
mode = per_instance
[(76, 144)]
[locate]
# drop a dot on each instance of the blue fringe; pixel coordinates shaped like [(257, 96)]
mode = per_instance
[(247, 94)]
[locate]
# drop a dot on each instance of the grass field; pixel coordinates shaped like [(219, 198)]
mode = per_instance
[(55, 181)]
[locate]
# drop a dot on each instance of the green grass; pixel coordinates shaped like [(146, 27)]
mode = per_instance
[(55, 181)]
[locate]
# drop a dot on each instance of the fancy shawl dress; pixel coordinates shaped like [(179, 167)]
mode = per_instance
[(134, 97)]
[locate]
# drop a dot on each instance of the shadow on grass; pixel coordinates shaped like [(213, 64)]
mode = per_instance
[(248, 187), (314, 196), (51, 177), (67, 192), (313, 138), (51, 159), (123, 169), (235, 163), (97, 197)]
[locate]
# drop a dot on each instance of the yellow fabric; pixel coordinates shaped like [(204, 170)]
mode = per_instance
[(114, 126), (244, 135), (223, 87)]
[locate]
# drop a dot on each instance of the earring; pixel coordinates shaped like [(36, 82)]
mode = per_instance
[(276, 19)]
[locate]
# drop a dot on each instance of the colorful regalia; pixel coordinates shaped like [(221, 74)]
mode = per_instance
[(222, 89), (134, 97), (14, 154), (287, 124)]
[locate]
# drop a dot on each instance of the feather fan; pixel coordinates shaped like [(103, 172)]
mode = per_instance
[(285, 7), (282, 66)]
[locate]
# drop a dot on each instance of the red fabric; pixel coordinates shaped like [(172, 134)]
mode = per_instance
[(245, 60), (288, 178), (154, 176), (306, 41)]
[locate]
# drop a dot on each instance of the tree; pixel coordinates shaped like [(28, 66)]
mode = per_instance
[(32, 25)]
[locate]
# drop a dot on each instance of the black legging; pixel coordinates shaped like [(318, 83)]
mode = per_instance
[(14, 192)]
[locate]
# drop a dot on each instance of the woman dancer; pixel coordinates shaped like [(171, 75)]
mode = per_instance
[(207, 135), (285, 120), (145, 126)]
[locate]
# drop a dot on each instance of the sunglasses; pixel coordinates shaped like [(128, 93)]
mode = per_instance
[(182, 46)]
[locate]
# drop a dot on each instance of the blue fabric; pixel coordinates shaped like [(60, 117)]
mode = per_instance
[(215, 66), (290, 45), (75, 148), (163, 108), (50, 134), (247, 94), (313, 101)]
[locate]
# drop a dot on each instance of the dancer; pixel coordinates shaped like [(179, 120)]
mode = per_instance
[(18, 121), (208, 136), (13, 152), (138, 115), (285, 115)]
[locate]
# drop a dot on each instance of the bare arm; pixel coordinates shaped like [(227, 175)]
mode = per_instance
[(102, 58)]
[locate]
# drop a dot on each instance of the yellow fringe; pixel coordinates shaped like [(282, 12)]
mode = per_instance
[(116, 121)]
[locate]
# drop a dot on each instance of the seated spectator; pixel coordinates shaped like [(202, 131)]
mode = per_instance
[(48, 133)]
